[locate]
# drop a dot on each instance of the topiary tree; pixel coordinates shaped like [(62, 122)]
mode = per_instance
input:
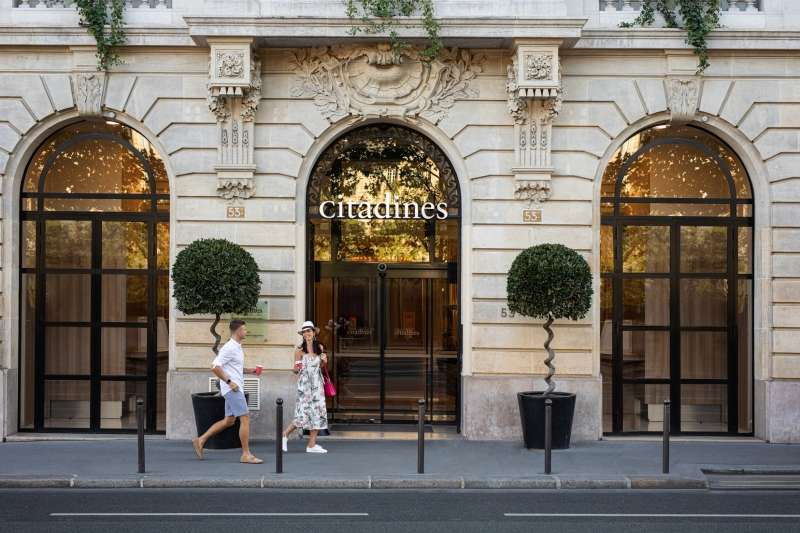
[(550, 282), (215, 276)]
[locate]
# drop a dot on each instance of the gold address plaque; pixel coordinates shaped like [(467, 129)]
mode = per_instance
[(533, 216)]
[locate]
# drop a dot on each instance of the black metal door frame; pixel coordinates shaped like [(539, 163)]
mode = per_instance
[(95, 323), (617, 221), (381, 272), (151, 216)]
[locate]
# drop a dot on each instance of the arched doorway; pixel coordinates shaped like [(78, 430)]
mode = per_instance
[(677, 285), (94, 297), (383, 208)]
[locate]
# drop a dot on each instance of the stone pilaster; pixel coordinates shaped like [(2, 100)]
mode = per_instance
[(234, 90), (534, 101)]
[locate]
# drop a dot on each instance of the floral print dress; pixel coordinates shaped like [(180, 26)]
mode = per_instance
[(310, 411)]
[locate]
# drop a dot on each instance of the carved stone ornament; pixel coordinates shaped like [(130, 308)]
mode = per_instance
[(538, 67), (229, 64), (532, 191), (534, 101), (381, 82), (235, 188), (88, 91), (683, 95), (234, 91)]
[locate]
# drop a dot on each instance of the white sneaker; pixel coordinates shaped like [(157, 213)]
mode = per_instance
[(316, 449), (285, 444)]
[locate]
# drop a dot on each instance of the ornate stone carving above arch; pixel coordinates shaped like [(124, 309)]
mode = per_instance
[(381, 82)]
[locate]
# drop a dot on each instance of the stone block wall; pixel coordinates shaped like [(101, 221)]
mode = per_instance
[(751, 100)]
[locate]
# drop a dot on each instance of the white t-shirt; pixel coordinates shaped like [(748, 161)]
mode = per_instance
[(231, 359)]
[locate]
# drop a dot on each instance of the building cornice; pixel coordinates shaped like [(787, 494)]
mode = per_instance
[(668, 38), (76, 36), (317, 31)]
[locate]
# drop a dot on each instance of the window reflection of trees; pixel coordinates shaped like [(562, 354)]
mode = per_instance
[(368, 164)]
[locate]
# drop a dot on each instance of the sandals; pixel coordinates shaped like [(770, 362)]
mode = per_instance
[(198, 448), (251, 460)]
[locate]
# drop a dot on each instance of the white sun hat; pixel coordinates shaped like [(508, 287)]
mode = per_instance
[(308, 325)]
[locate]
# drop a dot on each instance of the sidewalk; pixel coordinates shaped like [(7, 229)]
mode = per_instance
[(387, 464)]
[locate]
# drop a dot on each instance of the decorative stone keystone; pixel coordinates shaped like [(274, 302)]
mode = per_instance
[(534, 101), (683, 95), (87, 88), (234, 90)]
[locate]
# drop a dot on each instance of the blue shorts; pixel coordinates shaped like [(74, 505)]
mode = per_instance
[(235, 403)]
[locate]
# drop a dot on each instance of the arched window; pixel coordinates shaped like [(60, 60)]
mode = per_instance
[(94, 280), (676, 284)]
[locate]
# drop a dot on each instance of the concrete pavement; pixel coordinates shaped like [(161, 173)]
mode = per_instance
[(451, 464)]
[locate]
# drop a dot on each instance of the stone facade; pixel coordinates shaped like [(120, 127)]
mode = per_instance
[(294, 84)]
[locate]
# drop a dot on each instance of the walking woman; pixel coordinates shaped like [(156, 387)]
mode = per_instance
[(310, 412)]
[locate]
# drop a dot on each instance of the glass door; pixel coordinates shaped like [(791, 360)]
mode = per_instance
[(392, 336), (101, 322)]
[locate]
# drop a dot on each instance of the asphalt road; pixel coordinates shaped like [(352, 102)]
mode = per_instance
[(462, 511)]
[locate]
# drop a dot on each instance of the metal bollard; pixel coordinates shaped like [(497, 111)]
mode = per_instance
[(548, 435), (140, 432), (279, 436), (421, 437), (665, 443)]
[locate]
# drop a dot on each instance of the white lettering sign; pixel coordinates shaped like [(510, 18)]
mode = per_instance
[(390, 208)]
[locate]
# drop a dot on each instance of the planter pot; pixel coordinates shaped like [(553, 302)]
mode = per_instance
[(209, 408), (531, 412)]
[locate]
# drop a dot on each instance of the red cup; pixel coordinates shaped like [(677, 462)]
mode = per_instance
[(259, 368)]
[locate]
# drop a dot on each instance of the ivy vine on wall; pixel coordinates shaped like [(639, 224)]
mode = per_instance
[(103, 20), (381, 16), (697, 17)]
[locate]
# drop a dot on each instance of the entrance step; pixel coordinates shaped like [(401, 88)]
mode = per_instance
[(390, 432)]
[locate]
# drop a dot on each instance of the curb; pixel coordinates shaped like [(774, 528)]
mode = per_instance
[(751, 470), (423, 481)]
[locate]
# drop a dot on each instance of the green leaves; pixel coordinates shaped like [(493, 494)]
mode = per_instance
[(215, 276), (699, 17), (380, 16), (550, 280), (96, 15)]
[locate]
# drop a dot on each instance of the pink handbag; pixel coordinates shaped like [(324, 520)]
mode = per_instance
[(327, 384)]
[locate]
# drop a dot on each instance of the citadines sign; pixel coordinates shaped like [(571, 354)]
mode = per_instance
[(390, 208)]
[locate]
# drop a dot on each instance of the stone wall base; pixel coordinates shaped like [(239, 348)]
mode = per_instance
[(182, 383), (490, 411), (783, 411), (9, 399)]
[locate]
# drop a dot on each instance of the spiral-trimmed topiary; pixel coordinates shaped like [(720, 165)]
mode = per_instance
[(550, 282), (215, 276)]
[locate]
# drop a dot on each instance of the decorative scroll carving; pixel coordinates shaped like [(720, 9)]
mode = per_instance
[(683, 95), (234, 91), (379, 81), (534, 100), (88, 92)]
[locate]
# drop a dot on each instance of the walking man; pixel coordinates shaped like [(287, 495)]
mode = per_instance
[(228, 366)]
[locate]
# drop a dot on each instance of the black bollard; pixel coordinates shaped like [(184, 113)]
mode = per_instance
[(548, 435), (279, 436), (140, 432), (421, 437), (665, 443)]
